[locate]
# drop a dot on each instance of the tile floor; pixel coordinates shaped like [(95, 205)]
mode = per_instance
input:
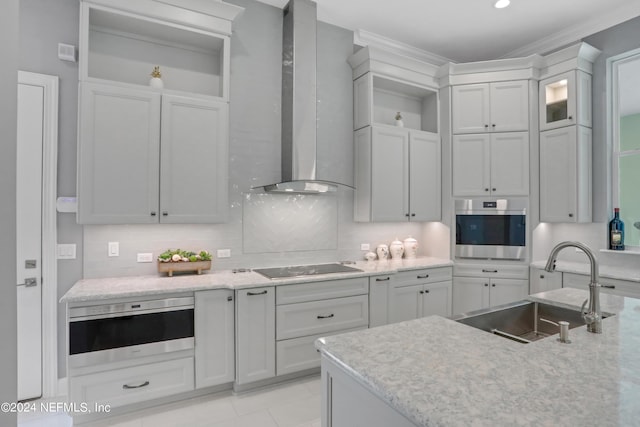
[(294, 404)]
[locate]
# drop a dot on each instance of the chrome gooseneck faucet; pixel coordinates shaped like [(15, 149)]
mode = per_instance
[(593, 318)]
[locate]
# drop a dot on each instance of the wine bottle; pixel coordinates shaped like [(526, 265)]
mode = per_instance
[(616, 232)]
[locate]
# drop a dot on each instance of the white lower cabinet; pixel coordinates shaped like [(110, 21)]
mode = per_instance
[(315, 314), (255, 334), (420, 293), (118, 387), (478, 286), (214, 337), (542, 281), (379, 287), (625, 288)]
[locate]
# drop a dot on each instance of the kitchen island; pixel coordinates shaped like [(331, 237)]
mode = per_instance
[(437, 372)]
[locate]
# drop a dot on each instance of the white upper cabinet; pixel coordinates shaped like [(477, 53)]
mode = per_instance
[(118, 155), (123, 41), (491, 164), (565, 100), (565, 175), (153, 154), (377, 100), (137, 165), (491, 107), (194, 160), (397, 175)]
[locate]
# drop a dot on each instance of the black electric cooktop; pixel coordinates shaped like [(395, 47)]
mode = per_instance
[(304, 270)]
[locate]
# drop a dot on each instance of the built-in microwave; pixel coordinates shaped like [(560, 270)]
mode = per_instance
[(491, 228), (122, 331)]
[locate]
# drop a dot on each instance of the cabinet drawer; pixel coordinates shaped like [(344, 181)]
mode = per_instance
[(298, 354), (135, 384), (488, 270), (318, 317), (427, 275), (623, 288), (315, 291)]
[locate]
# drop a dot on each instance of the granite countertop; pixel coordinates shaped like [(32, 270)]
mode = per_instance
[(438, 372), (630, 274), (86, 290)]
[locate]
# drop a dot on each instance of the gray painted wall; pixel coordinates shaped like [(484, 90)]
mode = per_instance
[(8, 117)]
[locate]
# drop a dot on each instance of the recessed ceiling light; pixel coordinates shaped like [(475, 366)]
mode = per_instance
[(502, 4)]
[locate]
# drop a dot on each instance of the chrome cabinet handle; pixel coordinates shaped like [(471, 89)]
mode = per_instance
[(489, 271), (251, 294), (325, 317), (422, 277), (383, 280), (129, 387)]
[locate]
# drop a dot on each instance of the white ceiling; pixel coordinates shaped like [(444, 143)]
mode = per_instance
[(473, 30)]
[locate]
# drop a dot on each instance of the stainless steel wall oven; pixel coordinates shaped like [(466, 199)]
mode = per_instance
[(112, 332), (491, 228)]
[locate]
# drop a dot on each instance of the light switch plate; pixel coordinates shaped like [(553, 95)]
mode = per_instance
[(113, 249), (66, 251)]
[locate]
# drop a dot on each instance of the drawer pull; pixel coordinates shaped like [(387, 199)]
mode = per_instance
[(383, 280), (251, 294), (426, 276), (609, 286), (325, 317), (129, 387), (484, 270)]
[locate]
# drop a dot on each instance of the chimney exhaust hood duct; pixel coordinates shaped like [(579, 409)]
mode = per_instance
[(299, 102)]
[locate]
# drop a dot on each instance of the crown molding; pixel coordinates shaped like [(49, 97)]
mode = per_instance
[(578, 32), (365, 38)]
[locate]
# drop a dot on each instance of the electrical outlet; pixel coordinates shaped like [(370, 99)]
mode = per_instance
[(224, 253), (67, 251), (145, 257), (365, 247), (114, 249)]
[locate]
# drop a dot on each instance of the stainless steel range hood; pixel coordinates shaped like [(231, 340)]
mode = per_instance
[(299, 102)]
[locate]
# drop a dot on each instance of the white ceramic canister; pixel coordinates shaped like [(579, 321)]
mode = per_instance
[(410, 247), (396, 249), (383, 252), (370, 256)]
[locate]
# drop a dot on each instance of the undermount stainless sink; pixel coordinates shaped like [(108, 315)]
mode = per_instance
[(522, 321)]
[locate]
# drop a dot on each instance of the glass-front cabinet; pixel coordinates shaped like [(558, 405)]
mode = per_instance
[(565, 100)]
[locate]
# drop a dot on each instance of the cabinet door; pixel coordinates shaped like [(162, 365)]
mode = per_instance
[(379, 287), (437, 299), (469, 294), (405, 303), (389, 174), (471, 165), (255, 334), (542, 281), (194, 168), (509, 106), (565, 175), (510, 164), (214, 337), (504, 291), (471, 108), (558, 101), (118, 155), (362, 101), (424, 177)]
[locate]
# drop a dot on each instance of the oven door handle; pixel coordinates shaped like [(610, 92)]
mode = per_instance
[(130, 387)]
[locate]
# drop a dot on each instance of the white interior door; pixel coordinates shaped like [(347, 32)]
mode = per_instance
[(29, 239)]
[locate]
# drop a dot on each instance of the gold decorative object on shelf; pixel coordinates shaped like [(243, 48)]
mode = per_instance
[(179, 260), (156, 78)]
